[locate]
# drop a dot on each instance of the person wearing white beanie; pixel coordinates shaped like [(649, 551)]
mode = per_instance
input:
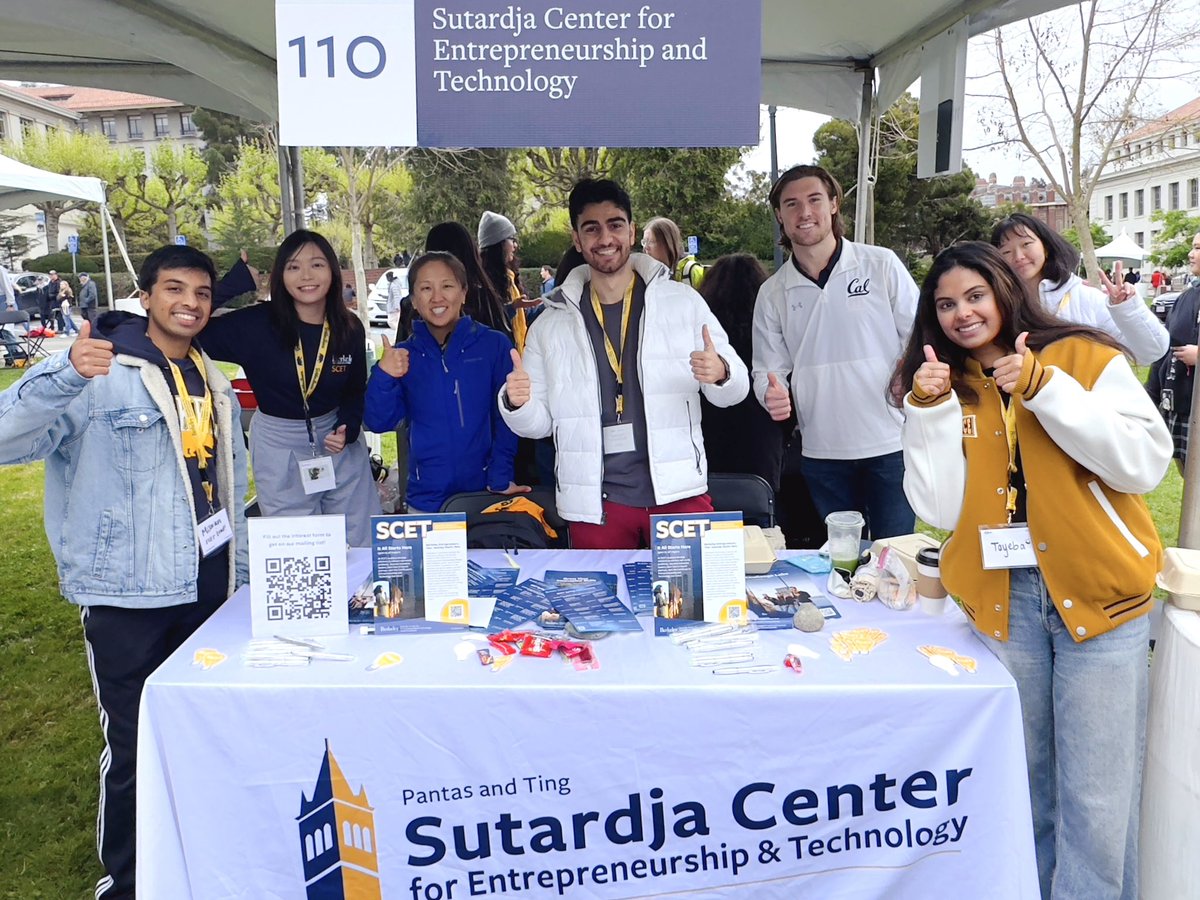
[(494, 228)]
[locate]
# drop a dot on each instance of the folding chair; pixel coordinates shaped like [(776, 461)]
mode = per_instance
[(21, 349), (473, 503), (751, 495)]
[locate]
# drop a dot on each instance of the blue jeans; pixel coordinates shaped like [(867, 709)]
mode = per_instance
[(873, 486), (1084, 711)]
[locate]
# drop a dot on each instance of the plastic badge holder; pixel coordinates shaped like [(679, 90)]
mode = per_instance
[(906, 547), (1180, 577)]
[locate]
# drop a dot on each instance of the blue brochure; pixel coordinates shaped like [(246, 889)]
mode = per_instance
[(638, 583)]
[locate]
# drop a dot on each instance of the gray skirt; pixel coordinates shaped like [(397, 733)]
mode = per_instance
[(276, 448)]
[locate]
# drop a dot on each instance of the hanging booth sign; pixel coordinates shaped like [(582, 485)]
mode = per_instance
[(617, 73)]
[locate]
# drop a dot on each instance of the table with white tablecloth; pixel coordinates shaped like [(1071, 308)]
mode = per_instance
[(1170, 864), (437, 777)]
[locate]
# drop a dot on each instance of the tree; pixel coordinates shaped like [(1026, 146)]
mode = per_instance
[(12, 247), (553, 171), (247, 212), (1070, 84), (1173, 242), (224, 135), (687, 186), (67, 153), (174, 184), (913, 216), (457, 186), (1100, 237)]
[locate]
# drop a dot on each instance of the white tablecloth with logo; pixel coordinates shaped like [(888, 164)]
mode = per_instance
[(1170, 865), (439, 778)]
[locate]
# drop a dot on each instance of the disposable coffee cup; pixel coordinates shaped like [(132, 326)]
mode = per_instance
[(931, 595)]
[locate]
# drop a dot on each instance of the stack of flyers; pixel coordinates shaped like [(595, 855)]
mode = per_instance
[(519, 604), (591, 607), (638, 583), (483, 582), (773, 597)]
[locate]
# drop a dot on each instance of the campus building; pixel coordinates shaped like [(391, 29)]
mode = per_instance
[(1156, 167), (1041, 200)]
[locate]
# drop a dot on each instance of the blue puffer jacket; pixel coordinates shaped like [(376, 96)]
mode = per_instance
[(458, 442)]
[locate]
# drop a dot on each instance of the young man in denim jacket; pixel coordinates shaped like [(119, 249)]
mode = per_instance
[(143, 502)]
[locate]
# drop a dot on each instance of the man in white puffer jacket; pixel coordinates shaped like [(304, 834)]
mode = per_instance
[(613, 369)]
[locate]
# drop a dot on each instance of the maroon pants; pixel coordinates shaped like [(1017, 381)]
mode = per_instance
[(628, 527)]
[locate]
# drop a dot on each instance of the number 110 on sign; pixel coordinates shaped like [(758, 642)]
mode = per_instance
[(364, 55)]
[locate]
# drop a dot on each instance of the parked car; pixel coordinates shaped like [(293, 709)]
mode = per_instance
[(29, 294), (377, 298), (1164, 303)]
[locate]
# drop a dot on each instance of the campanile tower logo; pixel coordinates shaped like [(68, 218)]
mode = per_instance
[(337, 838)]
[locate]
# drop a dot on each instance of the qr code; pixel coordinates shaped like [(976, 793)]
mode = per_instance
[(299, 587), (734, 614), (457, 611)]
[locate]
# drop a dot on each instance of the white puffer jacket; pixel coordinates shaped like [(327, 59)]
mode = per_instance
[(565, 399)]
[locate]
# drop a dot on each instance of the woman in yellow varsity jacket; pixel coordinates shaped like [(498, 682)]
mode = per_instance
[(1032, 441)]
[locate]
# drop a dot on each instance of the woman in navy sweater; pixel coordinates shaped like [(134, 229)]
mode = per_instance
[(444, 381), (305, 356)]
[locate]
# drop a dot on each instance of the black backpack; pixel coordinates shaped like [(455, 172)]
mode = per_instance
[(506, 531)]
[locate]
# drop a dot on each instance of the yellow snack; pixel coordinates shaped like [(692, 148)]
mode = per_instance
[(968, 663), (856, 641)]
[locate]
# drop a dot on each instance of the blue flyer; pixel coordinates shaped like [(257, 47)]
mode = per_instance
[(774, 596), (483, 582), (517, 605), (419, 567), (637, 582), (591, 607)]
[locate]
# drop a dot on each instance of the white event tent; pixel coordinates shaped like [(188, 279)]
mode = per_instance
[(21, 185), (1122, 249)]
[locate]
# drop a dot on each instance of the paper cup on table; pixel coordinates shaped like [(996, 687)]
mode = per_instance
[(931, 595)]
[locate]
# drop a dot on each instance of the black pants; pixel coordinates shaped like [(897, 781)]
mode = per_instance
[(124, 646)]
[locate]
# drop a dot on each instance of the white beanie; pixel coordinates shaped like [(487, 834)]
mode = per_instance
[(494, 228)]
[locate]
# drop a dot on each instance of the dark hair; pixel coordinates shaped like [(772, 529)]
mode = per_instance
[(432, 256), (1062, 259), (1018, 312), (668, 234), (571, 260), (730, 288), (597, 190), (484, 303), (498, 270), (832, 189), (345, 329), (174, 256)]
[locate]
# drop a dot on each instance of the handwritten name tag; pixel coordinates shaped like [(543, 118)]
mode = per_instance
[(1007, 547)]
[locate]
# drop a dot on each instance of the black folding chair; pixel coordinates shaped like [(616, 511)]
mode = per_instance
[(22, 350), (731, 492)]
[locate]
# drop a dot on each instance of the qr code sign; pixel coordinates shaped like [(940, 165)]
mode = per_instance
[(299, 588)]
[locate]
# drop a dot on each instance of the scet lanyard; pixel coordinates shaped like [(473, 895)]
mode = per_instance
[(615, 359), (309, 385), (196, 429), (1010, 436)]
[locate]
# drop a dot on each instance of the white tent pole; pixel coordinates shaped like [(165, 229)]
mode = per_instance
[(864, 230), (107, 262), (121, 247)]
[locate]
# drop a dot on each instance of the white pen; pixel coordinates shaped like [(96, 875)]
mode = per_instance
[(745, 670)]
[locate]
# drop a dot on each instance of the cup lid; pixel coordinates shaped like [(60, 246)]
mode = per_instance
[(845, 518), (929, 556)]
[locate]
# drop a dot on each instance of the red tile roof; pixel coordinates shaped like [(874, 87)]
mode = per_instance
[(1189, 112), (87, 99)]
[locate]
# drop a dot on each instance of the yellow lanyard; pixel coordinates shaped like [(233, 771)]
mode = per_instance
[(614, 359), (307, 389), (196, 429), (1010, 436), (1062, 304)]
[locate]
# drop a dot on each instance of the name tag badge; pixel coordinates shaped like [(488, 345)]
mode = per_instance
[(316, 474), (214, 532), (619, 438), (1007, 547)]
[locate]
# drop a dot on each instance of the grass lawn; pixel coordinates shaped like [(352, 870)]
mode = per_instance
[(49, 735)]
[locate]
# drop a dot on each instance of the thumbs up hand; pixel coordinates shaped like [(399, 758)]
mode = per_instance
[(335, 441), (395, 359), (517, 385), (707, 365), (90, 356), (777, 400), (932, 379), (1007, 370)]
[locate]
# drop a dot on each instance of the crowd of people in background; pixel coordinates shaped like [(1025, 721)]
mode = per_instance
[(997, 395)]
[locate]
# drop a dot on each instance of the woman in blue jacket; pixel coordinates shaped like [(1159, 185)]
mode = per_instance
[(444, 381)]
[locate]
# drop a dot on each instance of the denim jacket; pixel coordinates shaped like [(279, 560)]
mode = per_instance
[(120, 516)]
